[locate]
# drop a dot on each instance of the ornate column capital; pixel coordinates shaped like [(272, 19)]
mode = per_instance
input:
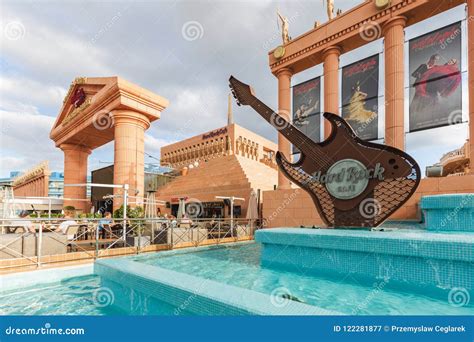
[(332, 50), (130, 117), (399, 20), (74, 147), (288, 72)]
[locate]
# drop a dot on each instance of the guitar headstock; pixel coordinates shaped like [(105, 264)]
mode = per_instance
[(242, 92)]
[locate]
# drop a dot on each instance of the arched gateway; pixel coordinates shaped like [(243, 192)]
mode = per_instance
[(95, 111)]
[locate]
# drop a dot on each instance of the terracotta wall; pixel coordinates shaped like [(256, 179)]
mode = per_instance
[(232, 175), (204, 147), (294, 207), (34, 187)]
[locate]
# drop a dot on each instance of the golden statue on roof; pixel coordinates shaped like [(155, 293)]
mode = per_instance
[(284, 28)]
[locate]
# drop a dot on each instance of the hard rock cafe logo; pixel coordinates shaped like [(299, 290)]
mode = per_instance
[(381, 4), (215, 133), (348, 178), (78, 98)]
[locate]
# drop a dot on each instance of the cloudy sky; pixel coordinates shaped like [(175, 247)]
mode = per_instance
[(46, 44)]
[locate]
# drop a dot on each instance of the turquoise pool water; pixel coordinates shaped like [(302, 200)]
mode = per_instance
[(237, 265), (72, 296), (240, 266)]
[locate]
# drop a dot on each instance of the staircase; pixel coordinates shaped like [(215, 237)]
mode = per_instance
[(259, 175), (224, 176)]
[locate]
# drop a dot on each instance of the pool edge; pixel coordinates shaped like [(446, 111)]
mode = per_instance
[(229, 299)]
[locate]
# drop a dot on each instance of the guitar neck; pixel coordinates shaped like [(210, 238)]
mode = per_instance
[(290, 132)]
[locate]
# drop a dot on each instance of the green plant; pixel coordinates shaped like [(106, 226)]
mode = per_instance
[(69, 208), (133, 213)]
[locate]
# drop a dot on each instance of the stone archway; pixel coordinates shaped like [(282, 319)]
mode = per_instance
[(95, 111)]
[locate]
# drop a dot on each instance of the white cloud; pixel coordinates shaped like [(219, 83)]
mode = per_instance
[(18, 89), (42, 49), (143, 43), (8, 164), (153, 145), (24, 141)]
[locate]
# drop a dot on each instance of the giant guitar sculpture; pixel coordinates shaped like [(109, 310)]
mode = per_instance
[(353, 183)]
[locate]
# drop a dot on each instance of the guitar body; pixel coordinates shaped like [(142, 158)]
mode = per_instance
[(353, 183)]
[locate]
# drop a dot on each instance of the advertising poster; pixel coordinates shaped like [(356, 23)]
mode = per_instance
[(360, 85), (307, 108), (435, 78)]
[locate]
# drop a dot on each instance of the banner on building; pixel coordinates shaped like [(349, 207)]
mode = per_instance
[(360, 89), (307, 108), (435, 78)]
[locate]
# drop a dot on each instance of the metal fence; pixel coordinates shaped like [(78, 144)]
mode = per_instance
[(34, 242)]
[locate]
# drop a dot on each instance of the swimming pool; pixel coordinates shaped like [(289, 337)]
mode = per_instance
[(209, 281), (71, 296), (239, 265)]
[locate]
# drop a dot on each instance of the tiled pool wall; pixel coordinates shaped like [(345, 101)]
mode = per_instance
[(450, 212), (145, 289), (415, 261)]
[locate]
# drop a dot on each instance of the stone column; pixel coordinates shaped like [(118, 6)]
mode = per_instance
[(284, 105), (394, 82), (470, 71), (129, 159), (75, 172), (331, 83)]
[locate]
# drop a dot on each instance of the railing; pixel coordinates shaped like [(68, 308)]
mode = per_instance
[(460, 152), (456, 174), (35, 242), (269, 162)]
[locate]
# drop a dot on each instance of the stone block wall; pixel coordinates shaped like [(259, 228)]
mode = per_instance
[(294, 207)]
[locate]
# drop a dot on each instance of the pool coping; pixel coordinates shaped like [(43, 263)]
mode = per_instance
[(243, 300), (13, 281)]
